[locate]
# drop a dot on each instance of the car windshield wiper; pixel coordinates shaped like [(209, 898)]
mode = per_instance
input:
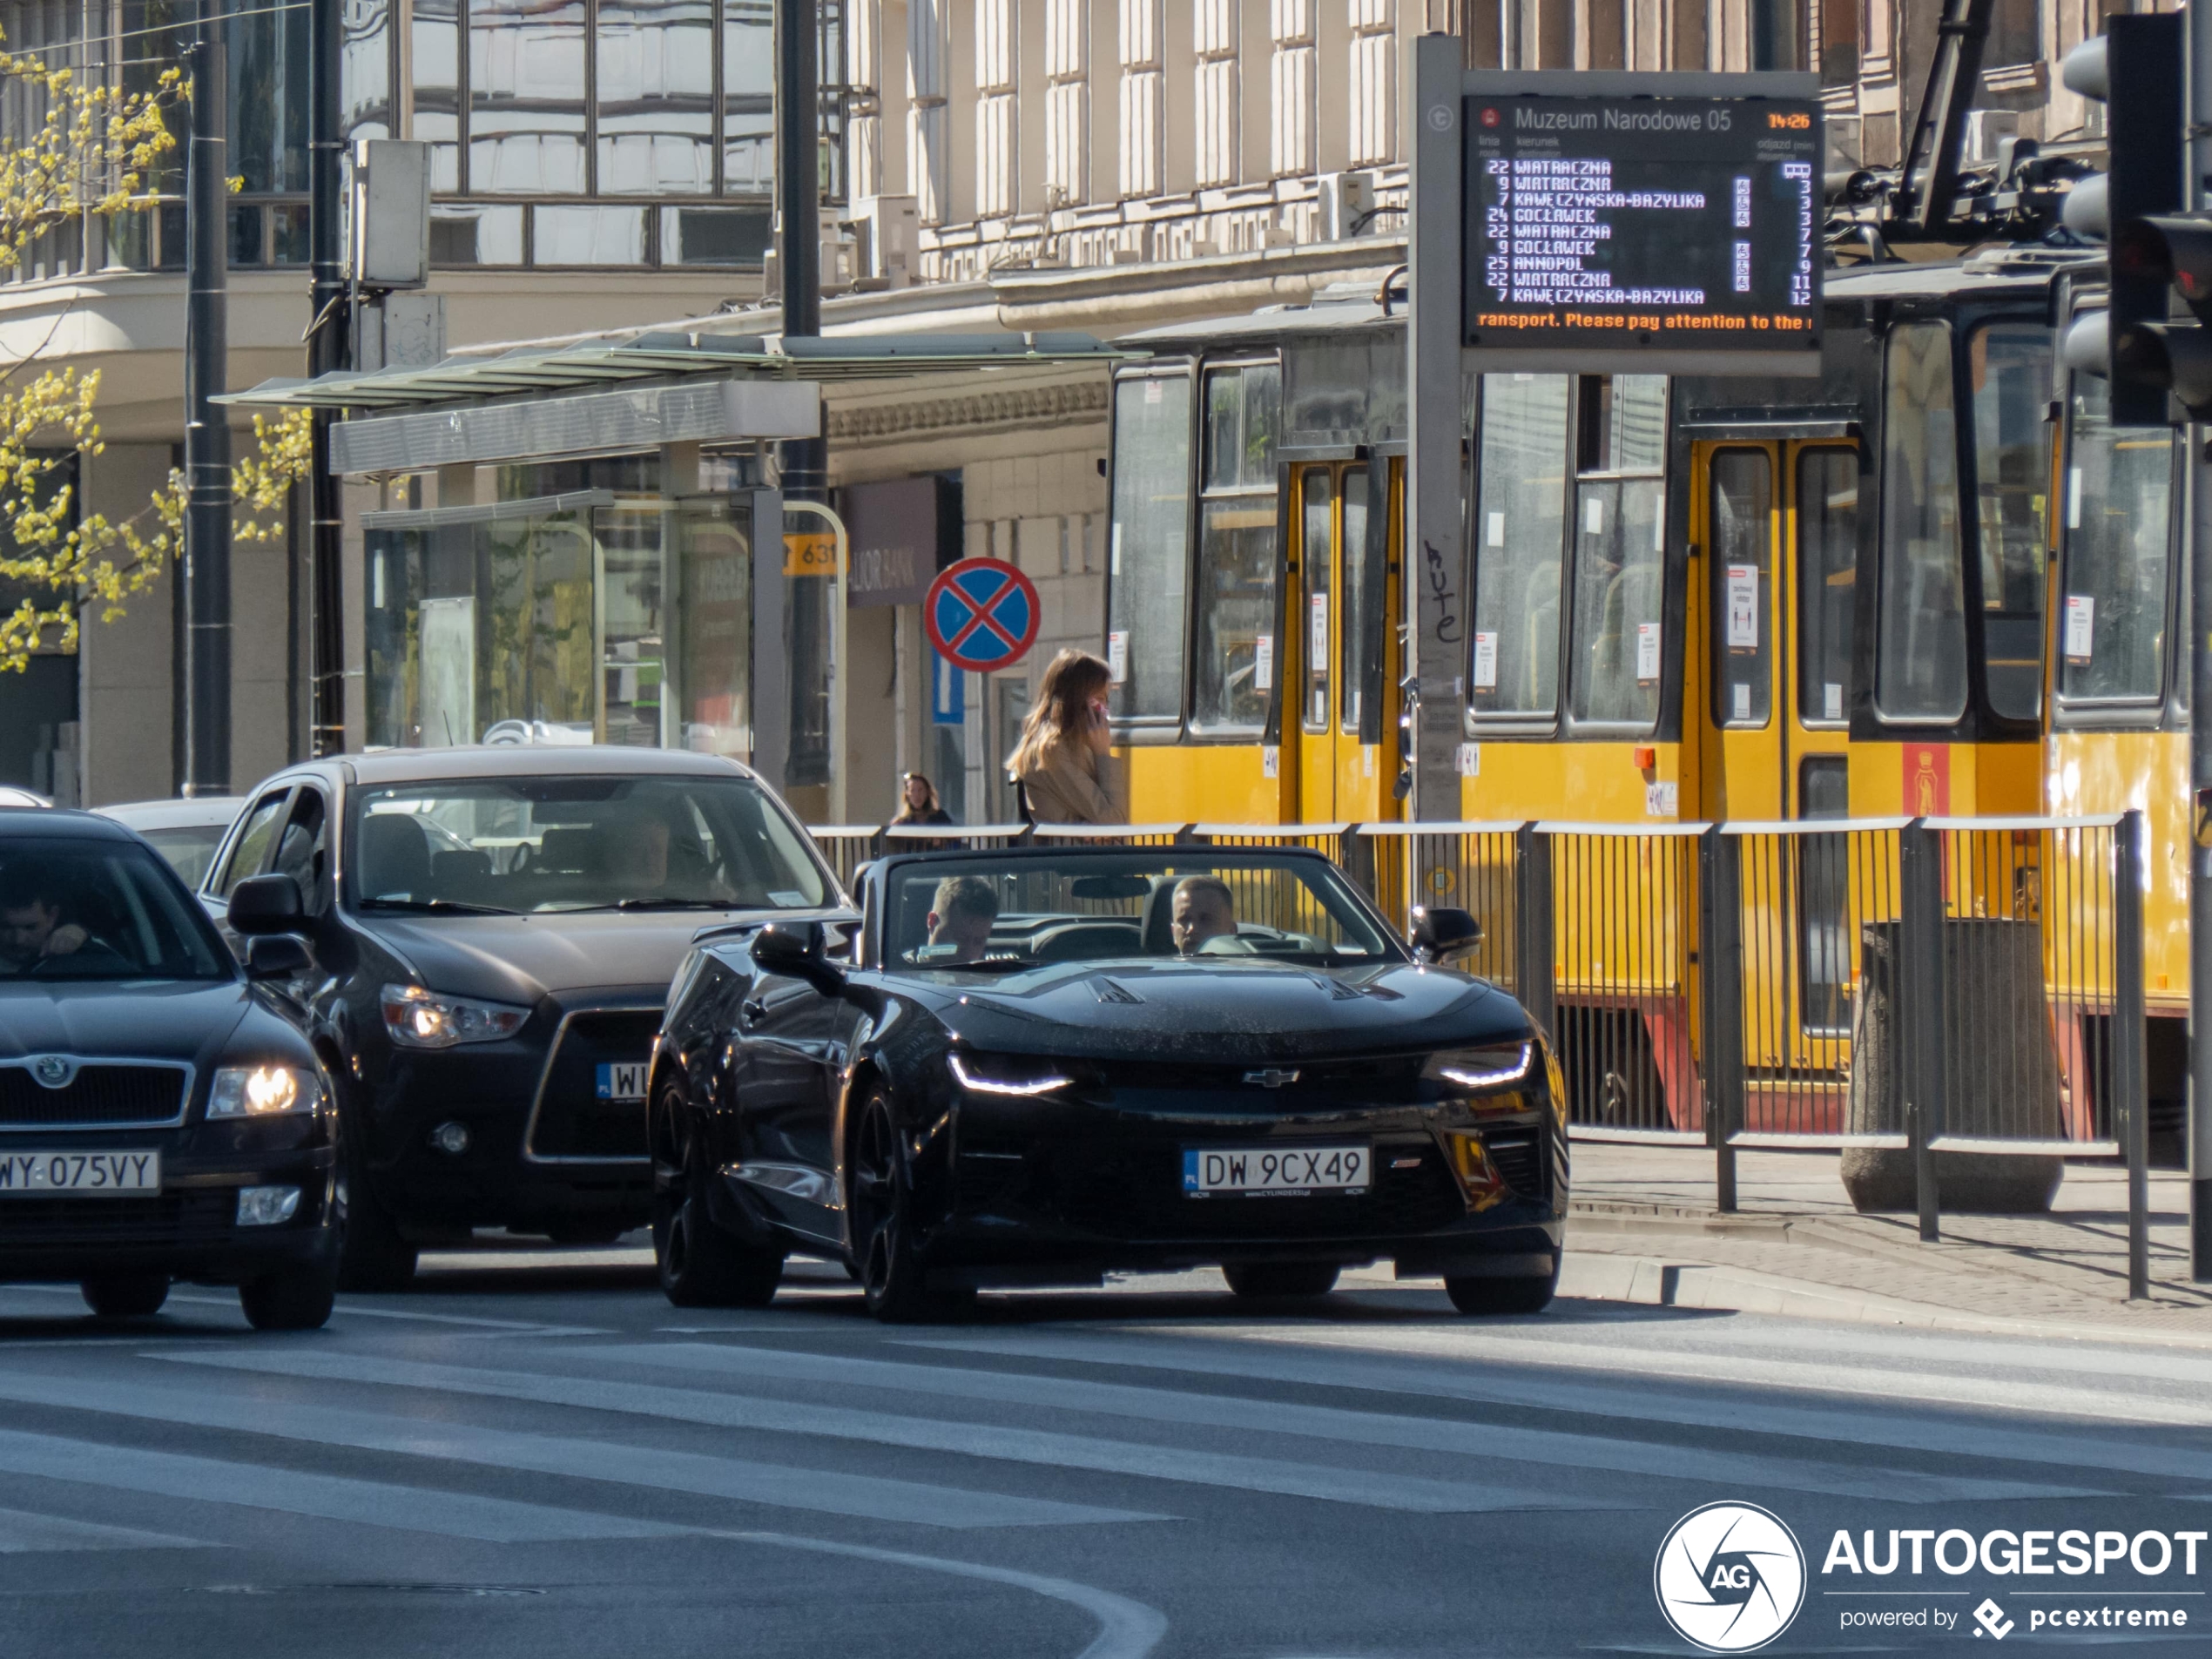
[(983, 965), (437, 907), (660, 904)]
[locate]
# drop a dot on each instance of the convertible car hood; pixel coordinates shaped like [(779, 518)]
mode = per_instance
[(186, 1019), (1219, 1010), (520, 959)]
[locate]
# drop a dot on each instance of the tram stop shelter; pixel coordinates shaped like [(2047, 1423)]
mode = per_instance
[(625, 577)]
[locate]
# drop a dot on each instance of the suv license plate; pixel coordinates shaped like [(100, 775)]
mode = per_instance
[(79, 1175), (1230, 1171)]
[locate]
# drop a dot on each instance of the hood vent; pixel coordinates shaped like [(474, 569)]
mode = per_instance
[(1109, 990)]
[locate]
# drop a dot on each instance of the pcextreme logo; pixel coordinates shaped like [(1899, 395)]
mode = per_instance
[(1730, 1577)]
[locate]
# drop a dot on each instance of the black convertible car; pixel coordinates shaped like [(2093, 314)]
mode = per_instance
[(1035, 1066)]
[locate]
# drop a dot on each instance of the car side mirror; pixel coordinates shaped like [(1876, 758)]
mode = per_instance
[(798, 949), (267, 904), (276, 956), (1440, 931)]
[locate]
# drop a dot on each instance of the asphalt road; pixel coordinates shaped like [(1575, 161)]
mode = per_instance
[(534, 1455)]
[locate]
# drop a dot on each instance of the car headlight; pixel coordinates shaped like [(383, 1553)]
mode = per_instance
[(1002, 1076), (1501, 1065), (263, 1091), (419, 1019)]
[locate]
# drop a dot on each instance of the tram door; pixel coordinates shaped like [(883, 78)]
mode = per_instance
[(1335, 717)]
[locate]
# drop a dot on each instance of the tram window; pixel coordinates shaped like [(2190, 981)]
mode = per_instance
[(1620, 590), (1236, 594), (1623, 424), (2112, 629), (1520, 536), (1743, 602), (1149, 546), (1361, 646), (1827, 570), (2009, 365), (1920, 667), (1314, 559)]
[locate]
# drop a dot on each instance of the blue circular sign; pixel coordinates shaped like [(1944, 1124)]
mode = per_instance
[(982, 614)]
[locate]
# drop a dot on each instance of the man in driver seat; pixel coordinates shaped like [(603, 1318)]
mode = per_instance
[(33, 923), (961, 915), (1204, 912)]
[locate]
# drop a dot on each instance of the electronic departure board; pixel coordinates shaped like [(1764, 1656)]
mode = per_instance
[(1644, 226)]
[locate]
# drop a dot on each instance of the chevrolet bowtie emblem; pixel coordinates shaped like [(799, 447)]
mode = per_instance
[(1270, 1078)]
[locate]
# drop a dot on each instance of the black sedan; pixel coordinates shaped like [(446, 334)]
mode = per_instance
[(161, 1115), (1037, 1066), (493, 932)]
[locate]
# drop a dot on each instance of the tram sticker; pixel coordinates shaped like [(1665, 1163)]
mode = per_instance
[(1470, 759), (1594, 513), (1740, 704), (1486, 662), (2073, 499), (1659, 521), (1264, 662), (2080, 626), (1494, 533), (1661, 801), (1271, 761), (1647, 653), (1117, 656), (1831, 700), (1317, 634), (1743, 607), (1366, 760)]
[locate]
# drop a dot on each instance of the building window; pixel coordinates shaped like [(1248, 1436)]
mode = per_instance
[(2015, 33)]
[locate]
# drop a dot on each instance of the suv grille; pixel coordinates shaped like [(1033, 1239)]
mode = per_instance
[(201, 1216), (572, 1121), (97, 1095)]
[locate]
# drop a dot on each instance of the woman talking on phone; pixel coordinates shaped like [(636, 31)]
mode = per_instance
[(1060, 763)]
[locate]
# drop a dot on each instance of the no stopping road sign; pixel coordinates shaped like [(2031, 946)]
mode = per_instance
[(982, 614)]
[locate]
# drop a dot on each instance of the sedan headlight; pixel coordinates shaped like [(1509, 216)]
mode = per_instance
[(419, 1019), (1503, 1065), (1000, 1075), (263, 1091)]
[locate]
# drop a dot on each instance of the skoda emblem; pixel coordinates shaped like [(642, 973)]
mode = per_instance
[(53, 1070), (1270, 1078)]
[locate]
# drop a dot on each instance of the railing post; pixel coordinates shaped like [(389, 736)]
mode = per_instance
[(1921, 997), (1533, 916), (1720, 961), (2130, 1100)]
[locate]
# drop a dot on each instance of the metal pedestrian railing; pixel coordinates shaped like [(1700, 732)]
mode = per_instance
[(1954, 1004)]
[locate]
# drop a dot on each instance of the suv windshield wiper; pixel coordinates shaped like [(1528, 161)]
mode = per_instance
[(660, 904), (437, 906)]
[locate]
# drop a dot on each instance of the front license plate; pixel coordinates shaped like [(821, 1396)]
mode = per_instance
[(79, 1174), (623, 1082), (1225, 1171)]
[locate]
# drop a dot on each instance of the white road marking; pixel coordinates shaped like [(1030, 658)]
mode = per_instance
[(1487, 1440), (1127, 1629), (295, 1491), (774, 1484), (1048, 1449), (345, 1310), (22, 1532)]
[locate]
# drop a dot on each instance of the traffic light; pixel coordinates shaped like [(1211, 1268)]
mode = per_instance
[(2164, 252), (2134, 69)]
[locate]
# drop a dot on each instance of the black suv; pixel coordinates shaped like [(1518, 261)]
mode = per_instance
[(493, 933)]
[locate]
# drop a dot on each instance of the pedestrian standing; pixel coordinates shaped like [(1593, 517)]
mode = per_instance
[(1059, 767), (918, 802)]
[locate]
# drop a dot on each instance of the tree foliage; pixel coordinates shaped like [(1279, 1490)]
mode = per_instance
[(90, 149)]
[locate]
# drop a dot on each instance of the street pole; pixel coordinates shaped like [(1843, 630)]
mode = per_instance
[(797, 193), (329, 348), (2197, 149), (207, 435)]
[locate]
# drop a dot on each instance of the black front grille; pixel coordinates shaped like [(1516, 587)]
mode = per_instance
[(572, 1121), (1136, 1193), (1517, 1157), (97, 1095), (195, 1216)]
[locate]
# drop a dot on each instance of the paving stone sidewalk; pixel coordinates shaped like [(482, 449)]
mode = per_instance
[(2065, 1272)]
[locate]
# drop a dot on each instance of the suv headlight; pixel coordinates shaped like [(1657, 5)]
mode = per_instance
[(419, 1019), (263, 1091), (1501, 1065)]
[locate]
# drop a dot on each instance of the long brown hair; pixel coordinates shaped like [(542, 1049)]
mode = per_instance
[(1061, 712)]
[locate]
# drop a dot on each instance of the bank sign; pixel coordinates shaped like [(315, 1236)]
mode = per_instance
[(1643, 224)]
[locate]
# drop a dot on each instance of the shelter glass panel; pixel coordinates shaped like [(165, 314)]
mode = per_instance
[(714, 619)]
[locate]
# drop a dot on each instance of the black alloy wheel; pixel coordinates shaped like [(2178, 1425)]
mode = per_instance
[(125, 1296), (373, 1254), (879, 1202), (1532, 1293), (1280, 1278), (294, 1297), (702, 1263)]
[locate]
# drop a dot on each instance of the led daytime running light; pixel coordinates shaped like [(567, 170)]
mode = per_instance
[(983, 1085), (1469, 1078)]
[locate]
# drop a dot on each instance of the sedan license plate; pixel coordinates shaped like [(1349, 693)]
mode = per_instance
[(1226, 1171), (623, 1082), (79, 1175)]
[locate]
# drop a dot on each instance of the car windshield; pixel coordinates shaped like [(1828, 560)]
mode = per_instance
[(1173, 903), (529, 845), (83, 909), (188, 847)]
